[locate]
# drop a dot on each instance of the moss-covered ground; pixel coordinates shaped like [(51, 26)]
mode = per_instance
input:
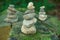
[(37, 36)]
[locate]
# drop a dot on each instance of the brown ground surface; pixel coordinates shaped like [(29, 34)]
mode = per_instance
[(4, 33)]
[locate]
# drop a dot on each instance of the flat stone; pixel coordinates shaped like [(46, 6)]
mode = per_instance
[(31, 30)]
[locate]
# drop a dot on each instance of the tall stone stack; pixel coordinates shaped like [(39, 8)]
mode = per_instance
[(12, 14), (28, 26)]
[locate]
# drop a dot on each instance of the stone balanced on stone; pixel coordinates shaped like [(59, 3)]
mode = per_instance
[(28, 26), (12, 15), (42, 14)]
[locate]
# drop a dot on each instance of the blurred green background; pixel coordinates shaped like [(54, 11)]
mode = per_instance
[(23, 3)]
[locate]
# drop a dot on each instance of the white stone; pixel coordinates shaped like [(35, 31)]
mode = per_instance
[(29, 16), (30, 5), (42, 17), (28, 22), (31, 30), (42, 7), (11, 5), (7, 20), (11, 16), (42, 13)]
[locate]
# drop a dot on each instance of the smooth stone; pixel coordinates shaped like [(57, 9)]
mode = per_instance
[(31, 30)]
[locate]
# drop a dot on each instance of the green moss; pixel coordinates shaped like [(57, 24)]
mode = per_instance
[(38, 35), (56, 22), (30, 37)]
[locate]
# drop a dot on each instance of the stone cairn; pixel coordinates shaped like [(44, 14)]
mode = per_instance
[(42, 18), (12, 15), (28, 26), (42, 14)]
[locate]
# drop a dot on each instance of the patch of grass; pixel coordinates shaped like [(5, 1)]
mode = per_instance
[(30, 37), (56, 22), (37, 36)]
